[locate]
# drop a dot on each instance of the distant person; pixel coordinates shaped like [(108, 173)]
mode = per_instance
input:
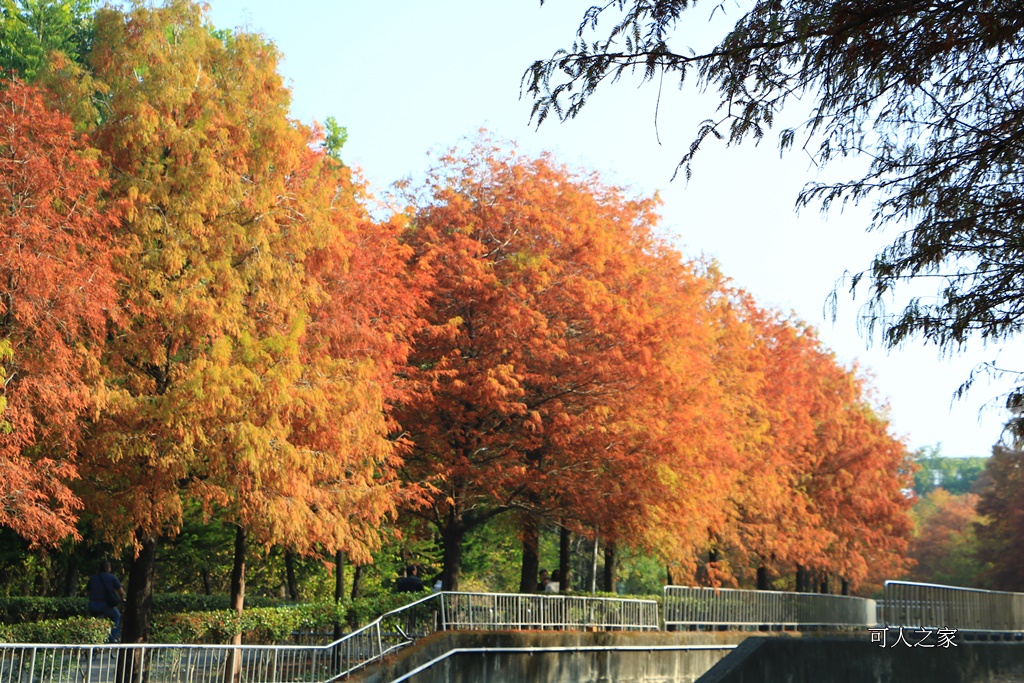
[(555, 584), (410, 583), (105, 594), (438, 582), (542, 585)]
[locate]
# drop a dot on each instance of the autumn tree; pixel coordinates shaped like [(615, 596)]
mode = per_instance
[(859, 488), (945, 544), (818, 479), (929, 94), (56, 298), (668, 450), (999, 540), (228, 384), (539, 326), (773, 521)]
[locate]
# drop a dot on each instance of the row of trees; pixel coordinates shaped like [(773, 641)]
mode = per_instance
[(199, 310)]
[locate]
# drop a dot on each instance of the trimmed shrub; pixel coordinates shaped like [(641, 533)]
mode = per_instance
[(75, 631), (21, 609), (272, 624), (17, 610)]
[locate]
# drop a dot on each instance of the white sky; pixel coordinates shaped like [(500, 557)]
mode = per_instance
[(408, 77)]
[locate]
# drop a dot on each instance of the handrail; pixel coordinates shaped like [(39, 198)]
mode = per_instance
[(168, 663), (694, 606), (928, 605)]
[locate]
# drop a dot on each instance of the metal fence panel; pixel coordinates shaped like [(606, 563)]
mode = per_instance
[(695, 606), (493, 611), (924, 605)]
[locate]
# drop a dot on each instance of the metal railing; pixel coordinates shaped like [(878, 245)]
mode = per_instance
[(318, 664), (925, 605), (178, 663), (515, 612), (686, 606)]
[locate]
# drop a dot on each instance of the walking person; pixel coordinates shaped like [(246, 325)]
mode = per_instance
[(105, 594)]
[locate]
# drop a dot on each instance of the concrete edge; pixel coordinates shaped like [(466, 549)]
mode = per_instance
[(733, 661)]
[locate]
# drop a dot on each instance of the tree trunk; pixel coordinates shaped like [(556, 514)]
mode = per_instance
[(593, 567), (357, 582), (669, 579), (825, 588), (43, 577), (609, 567), (138, 609), (845, 587), (802, 579), (564, 560), (531, 554), (762, 578), (233, 671), (339, 576), (204, 573), (452, 536), (71, 578), (237, 600), (289, 571), (339, 588)]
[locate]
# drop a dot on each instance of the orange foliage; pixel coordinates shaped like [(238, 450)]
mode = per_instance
[(945, 543), (822, 482), (242, 378), (56, 295), (565, 357), (575, 368)]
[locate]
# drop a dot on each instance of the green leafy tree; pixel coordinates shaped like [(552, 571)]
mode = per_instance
[(932, 94), (31, 29), (956, 475)]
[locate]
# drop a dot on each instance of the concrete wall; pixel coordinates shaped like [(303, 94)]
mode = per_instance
[(849, 660), (642, 666), (782, 658)]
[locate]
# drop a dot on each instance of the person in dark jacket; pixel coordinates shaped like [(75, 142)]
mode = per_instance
[(410, 583), (105, 594)]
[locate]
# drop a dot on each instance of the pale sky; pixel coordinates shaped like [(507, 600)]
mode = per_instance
[(407, 78)]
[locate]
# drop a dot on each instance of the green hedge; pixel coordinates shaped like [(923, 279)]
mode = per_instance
[(18, 610), (79, 630), (206, 624), (271, 624)]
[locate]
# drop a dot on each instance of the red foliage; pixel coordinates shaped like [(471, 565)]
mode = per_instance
[(56, 296)]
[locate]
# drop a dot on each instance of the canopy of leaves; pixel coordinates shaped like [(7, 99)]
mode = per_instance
[(1000, 541), (819, 479), (56, 298), (31, 29), (199, 314), (945, 543), (931, 93), (543, 319), (240, 379), (956, 475)]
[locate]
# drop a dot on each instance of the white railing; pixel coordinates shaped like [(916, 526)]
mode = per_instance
[(318, 664), (925, 605), (514, 612), (172, 663), (689, 606)]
